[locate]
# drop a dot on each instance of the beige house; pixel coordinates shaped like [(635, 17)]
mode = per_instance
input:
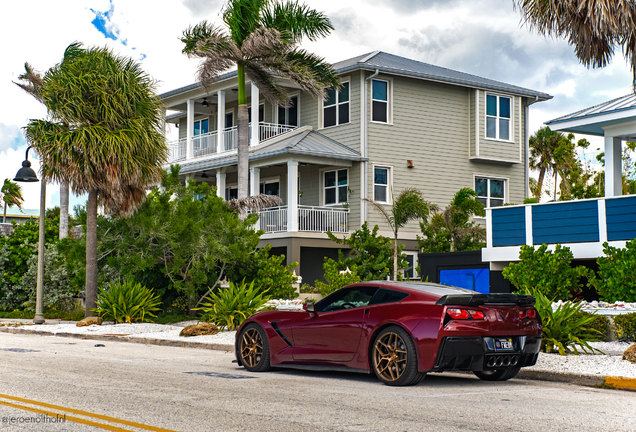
[(395, 123)]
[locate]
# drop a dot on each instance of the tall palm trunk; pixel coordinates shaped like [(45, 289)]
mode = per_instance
[(540, 183), (243, 136), (91, 252), (4, 216), (395, 258), (64, 193)]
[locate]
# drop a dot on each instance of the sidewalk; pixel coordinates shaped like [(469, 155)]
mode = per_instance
[(550, 367)]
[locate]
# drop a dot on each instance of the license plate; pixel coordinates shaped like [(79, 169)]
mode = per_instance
[(503, 345)]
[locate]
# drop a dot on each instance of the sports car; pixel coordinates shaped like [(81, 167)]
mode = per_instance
[(398, 330)]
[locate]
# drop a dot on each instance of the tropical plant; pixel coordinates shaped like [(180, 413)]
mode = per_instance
[(336, 278), (11, 194), (103, 136), (261, 39), (542, 146), (127, 302), (615, 279), (599, 323), (452, 230), (407, 206), (371, 253), (229, 307), (550, 273), (625, 327), (565, 328), (594, 27)]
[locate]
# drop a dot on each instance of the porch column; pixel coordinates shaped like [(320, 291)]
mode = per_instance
[(220, 123), (254, 108), (613, 167), (292, 195), (255, 181), (190, 127), (220, 183)]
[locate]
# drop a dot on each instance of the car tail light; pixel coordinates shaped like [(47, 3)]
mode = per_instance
[(532, 313), (523, 314), (464, 314)]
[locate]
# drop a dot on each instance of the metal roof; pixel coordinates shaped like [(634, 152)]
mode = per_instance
[(392, 64), (303, 142), (619, 104)]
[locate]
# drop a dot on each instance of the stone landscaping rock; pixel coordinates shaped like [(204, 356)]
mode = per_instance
[(201, 329), (630, 354), (90, 321)]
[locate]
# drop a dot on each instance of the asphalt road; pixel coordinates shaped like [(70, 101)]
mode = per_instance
[(124, 386)]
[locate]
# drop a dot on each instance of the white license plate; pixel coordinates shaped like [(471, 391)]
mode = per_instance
[(503, 344)]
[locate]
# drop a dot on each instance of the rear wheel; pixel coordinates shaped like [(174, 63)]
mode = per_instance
[(254, 348), (498, 374), (395, 359)]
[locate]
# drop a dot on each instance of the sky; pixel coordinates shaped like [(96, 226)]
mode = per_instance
[(481, 37)]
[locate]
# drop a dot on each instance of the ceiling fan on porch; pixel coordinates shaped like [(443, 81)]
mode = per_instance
[(205, 102)]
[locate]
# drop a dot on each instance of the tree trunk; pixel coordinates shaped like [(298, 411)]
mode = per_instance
[(540, 184), (64, 191), (395, 258), (556, 173), (4, 217), (243, 136), (91, 251)]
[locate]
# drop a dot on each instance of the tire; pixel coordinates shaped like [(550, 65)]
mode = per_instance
[(394, 358), (498, 374), (254, 348)]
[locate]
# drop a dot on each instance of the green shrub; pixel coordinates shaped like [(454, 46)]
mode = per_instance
[(127, 302), (229, 307), (336, 278), (599, 323), (550, 273), (616, 278), (308, 289), (565, 328), (625, 327)]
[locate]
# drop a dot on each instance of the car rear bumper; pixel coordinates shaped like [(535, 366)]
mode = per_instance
[(477, 353)]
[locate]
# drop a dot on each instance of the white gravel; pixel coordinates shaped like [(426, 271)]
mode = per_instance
[(609, 364)]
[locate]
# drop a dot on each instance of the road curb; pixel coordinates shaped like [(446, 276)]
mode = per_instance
[(620, 383), (146, 341)]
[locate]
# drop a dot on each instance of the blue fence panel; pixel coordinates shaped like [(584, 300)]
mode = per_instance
[(473, 279), (621, 218), (567, 222), (509, 226)]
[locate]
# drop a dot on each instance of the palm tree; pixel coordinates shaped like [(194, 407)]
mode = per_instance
[(407, 206), (542, 146), (463, 206), (594, 27), (261, 40), (103, 136), (11, 194)]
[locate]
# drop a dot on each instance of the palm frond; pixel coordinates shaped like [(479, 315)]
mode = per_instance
[(409, 205), (11, 194), (299, 20), (243, 17), (31, 82), (255, 203), (266, 83), (380, 208)]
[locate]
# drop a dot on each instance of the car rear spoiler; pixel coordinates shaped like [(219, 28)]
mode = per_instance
[(487, 299)]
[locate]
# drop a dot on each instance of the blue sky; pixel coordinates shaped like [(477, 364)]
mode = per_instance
[(481, 37)]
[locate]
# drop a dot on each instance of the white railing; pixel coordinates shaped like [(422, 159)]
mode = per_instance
[(273, 219), (177, 150), (203, 145), (323, 219), (207, 144)]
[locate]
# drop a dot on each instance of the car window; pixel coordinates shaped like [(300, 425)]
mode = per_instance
[(346, 298), (388, 296)]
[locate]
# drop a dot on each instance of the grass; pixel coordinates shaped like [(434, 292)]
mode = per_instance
[(171, 317), (76, 315)]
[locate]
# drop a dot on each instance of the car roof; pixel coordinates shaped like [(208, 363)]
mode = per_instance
[(433, 290)]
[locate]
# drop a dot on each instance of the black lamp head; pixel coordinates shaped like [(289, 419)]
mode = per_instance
[(26, 173)]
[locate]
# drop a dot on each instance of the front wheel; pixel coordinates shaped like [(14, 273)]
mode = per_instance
[(497, 374), (395, 359), (254, 348)]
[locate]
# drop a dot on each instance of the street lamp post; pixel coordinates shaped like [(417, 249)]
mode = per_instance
[(26, 174)]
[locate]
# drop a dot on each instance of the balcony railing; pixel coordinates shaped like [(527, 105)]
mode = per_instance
[(310, 219), (207, 144)]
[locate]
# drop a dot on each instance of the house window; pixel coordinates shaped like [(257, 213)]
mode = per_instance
[(411, 270), (231, 193), (490, 192), (498, 117), (336, 183), (289, 116), (381, 179), (271, 187), (261, 113), (201, 127), (336, 107), (380, 101)]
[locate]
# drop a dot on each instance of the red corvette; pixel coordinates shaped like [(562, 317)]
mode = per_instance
[(400, 331)]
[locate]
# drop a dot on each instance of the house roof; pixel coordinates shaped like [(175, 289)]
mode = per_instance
[(393, 64), (594, 120), (303, 141)]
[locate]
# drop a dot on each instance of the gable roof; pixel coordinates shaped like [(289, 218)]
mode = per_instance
[(393, 64), (619, 104)]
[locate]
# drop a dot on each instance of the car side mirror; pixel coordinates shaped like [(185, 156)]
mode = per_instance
[(309, 307)]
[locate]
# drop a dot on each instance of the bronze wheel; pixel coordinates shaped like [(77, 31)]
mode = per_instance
[(254, 349), (394, 358)]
